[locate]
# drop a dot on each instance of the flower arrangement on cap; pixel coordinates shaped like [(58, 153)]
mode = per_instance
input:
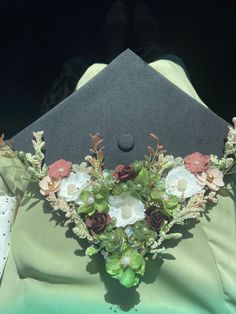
[(127, 213)]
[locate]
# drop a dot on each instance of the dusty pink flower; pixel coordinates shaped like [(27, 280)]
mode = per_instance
[(213, 178), (197, 162), (48, 185), (59, 169)]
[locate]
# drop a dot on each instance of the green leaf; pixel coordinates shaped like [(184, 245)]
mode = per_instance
[(136, 195), (117, 190), (172, 201), (127, 277), (91, 250), (98, 196), (137, 165), (141, 270), (101, 205), (136, 281), (87, 209), (156, 195), (84, 195), (142, 177), (136, 261), (166, 211), (139, 235), (105, 192), (120, 234), (109, 246), (113, 266)]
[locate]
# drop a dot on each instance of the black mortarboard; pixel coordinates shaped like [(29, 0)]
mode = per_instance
[(126, 102)]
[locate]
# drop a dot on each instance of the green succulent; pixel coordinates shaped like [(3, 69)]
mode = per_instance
[(137, 165), (126, 266), (166, 202), (95, 200), (112, 241), (142, 232), (143, 177)]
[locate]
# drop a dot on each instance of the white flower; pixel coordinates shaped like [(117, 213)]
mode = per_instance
[(126, 209), (181, 182), (82, 167), (71, 186)]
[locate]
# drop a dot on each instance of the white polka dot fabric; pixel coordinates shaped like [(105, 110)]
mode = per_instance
[(7, 208)]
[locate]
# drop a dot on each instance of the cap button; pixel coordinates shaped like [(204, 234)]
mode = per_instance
[(126, 142)]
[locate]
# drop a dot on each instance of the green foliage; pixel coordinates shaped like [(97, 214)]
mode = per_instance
[(126, 266), (95, 200), (86, 209), (160, 184), (141, 186), (113, 265), (123, 248), (170, 204), (91, 250), (101, 205), (137, 165), (127, 277), (166, 202), (157, 196), (117, 190), (143, 233), (143, 177), (112, 240)]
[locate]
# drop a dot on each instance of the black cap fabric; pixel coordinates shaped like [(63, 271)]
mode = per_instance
[(129, 98)]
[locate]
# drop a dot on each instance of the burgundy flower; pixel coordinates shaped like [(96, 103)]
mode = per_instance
[(155, 218), (97, 222), (124, 173)]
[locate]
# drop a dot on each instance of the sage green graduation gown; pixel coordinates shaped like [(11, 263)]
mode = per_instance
[(47, 271)]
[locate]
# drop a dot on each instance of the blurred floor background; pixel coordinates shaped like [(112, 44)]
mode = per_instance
[(37, 37)]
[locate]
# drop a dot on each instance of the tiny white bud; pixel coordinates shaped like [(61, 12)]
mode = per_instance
[(90, 200)]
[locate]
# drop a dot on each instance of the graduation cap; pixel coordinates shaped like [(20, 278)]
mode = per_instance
[(126, 102)]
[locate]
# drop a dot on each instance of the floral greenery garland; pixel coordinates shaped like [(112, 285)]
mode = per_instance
[(126, 214)]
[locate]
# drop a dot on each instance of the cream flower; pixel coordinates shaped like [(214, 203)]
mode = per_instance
[(126, 209), (71, 186), (48, 185), (182, 183), (213, 178)]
